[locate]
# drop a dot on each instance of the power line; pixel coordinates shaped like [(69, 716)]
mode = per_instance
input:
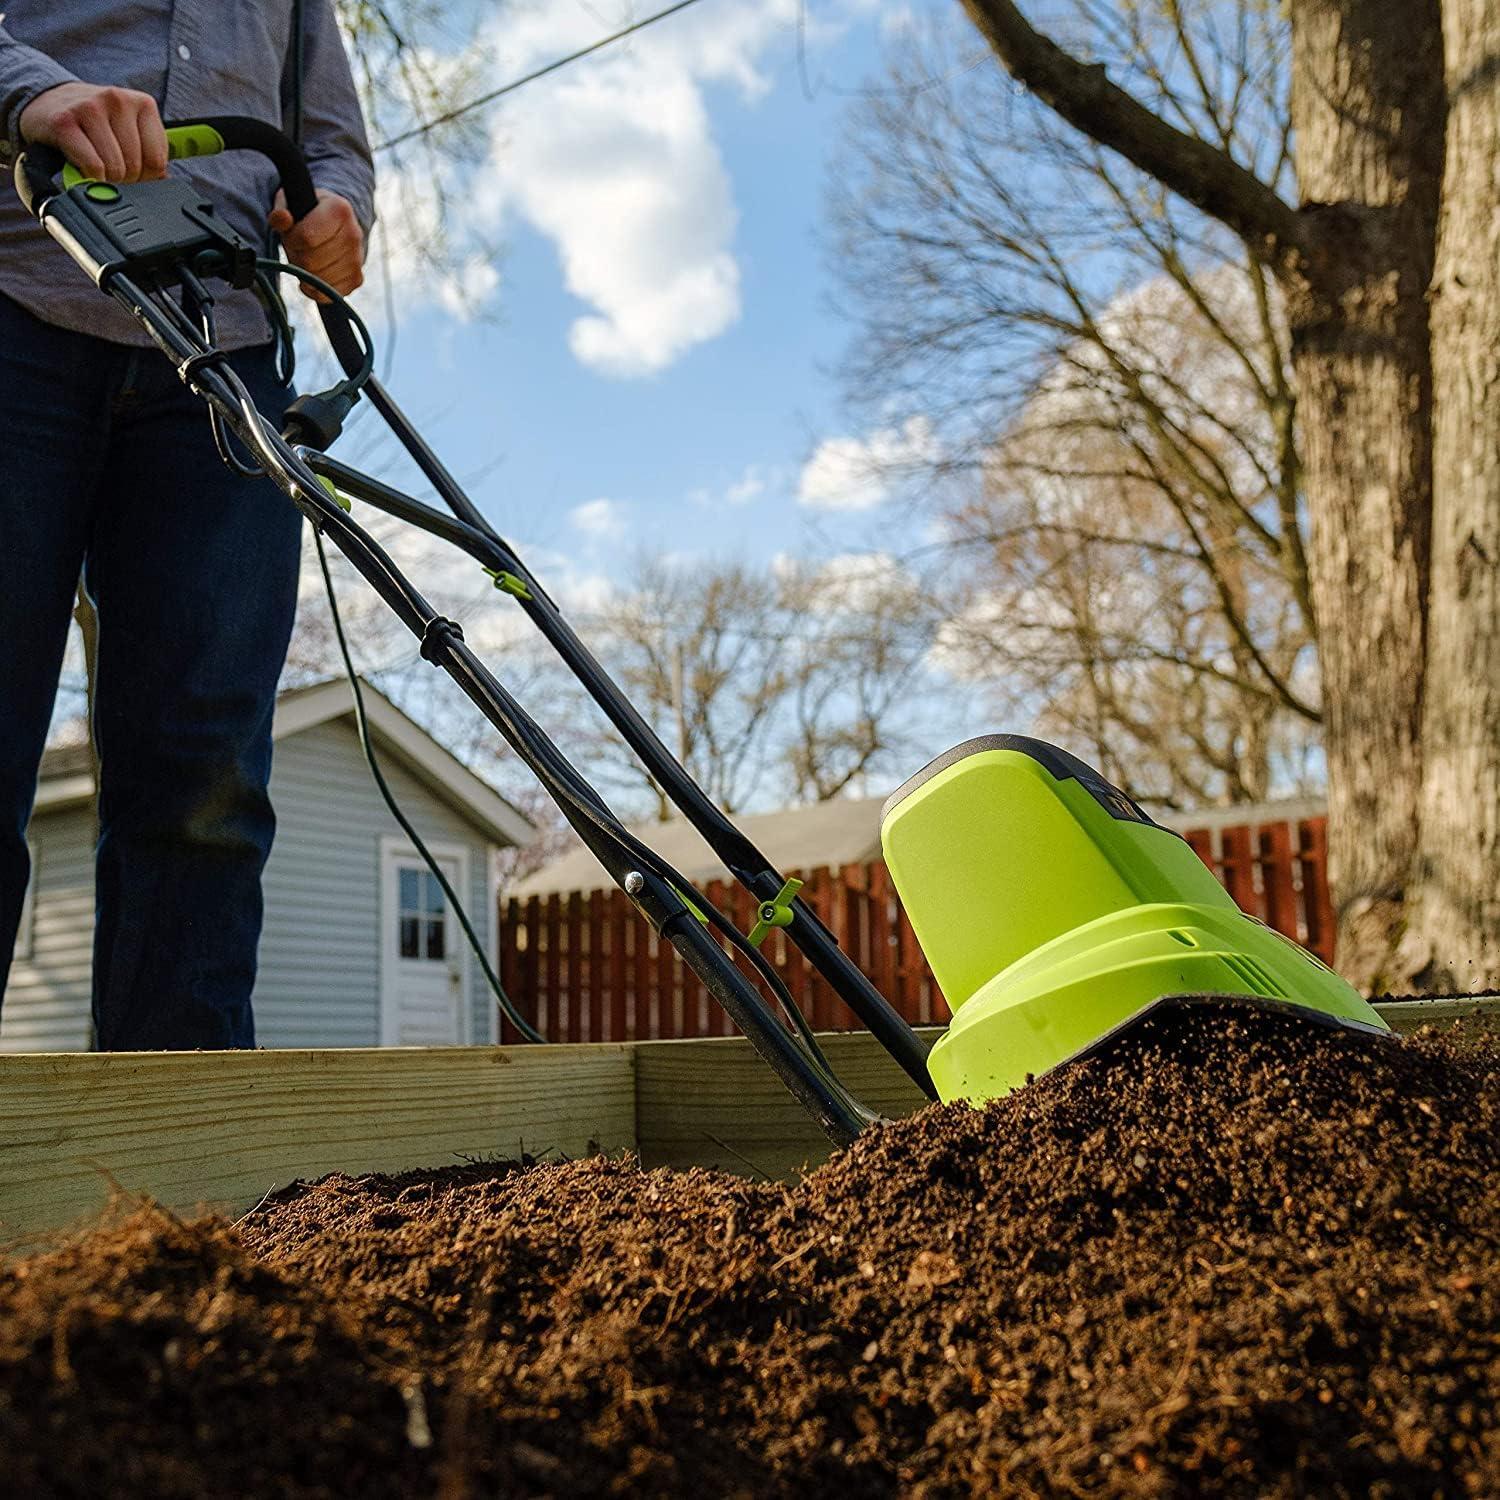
[(511, 87)]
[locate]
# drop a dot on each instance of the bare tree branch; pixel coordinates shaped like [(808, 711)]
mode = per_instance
[(1202, 174)]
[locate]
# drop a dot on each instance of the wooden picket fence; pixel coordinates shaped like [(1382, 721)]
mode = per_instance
[(584, 967)]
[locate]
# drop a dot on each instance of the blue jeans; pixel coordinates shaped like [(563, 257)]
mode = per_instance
[(107, 466)]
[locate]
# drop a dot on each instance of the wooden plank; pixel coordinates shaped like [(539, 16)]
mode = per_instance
[(855, 880), (573, 988), (1277, 884), (618, 1019), (1238, 872), (507, 922), (597, 940), (530, 1000), (882, 969), (551, 1017), (714, 1103), (1317, 905), (843, 902), (1474, 1010), (217, 1130), (911, 973)]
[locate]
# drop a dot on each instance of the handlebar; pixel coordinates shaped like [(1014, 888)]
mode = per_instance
[(38, 166)]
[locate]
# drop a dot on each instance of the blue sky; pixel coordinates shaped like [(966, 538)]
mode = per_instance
[(647, 365), (703, 453)]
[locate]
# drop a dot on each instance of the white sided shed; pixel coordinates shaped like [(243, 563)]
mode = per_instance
[(359, 948)]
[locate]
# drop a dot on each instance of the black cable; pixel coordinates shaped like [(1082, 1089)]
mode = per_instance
[(576, 790), (542, 72), (584, 797), (222, 443), (269, 297), (580, 795), (352, 384), (197, 296), (507, 1005)]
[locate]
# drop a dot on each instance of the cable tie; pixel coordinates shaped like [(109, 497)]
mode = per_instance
[(437, 635), (195, 362)]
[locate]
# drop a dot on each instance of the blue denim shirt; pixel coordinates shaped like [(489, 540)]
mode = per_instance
[(194, 57)]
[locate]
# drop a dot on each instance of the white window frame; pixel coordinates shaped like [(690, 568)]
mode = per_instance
[(25, 936), (396, 850)]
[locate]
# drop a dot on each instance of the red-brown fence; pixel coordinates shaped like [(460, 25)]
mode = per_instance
[(584, 967)]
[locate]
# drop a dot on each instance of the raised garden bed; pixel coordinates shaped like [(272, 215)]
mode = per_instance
[(1237, 1258)]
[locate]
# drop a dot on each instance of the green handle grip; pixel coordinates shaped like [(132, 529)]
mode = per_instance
[(183, 141)]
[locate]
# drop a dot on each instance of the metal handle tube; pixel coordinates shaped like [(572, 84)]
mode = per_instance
[(836, 1111), (740, 855), (839, 1115)]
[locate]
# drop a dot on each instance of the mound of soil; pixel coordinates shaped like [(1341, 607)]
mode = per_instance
[(1234, 1256)]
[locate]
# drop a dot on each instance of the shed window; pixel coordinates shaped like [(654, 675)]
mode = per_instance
[(420, 914)]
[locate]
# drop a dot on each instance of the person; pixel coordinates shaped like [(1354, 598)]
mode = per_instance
[(108, 471)]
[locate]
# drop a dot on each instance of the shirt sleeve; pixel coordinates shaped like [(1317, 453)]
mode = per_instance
[(24, 73), (334, 138)]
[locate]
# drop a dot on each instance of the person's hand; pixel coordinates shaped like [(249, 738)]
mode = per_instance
[(109, 133), (328, 242)]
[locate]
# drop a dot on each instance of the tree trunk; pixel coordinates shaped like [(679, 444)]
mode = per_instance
[(1367, 107), (1453, 931), (1414, 780)]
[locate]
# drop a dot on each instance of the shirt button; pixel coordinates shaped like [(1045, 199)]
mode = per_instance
[(185, 52)]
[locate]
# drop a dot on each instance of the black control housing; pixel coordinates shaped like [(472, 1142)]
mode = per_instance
[(149, 229)]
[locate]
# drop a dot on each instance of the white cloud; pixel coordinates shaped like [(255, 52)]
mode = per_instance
[(614, 161), (856, 581), (851, 473), (599, 518), (449, 579), (749, 487), (845, 583)]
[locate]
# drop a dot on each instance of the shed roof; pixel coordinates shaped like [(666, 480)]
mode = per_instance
[(841, 832), (67, 777)]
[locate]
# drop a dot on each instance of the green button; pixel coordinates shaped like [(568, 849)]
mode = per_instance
[(101, 192)]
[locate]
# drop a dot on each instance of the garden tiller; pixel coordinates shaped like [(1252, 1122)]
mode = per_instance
[(1054, 912)]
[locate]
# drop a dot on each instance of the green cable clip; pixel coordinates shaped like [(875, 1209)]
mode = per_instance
[(343, 501), (777, 913), (692, 906), (509, 583)]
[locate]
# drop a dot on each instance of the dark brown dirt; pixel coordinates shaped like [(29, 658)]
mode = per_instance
[(1236, 1257)]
